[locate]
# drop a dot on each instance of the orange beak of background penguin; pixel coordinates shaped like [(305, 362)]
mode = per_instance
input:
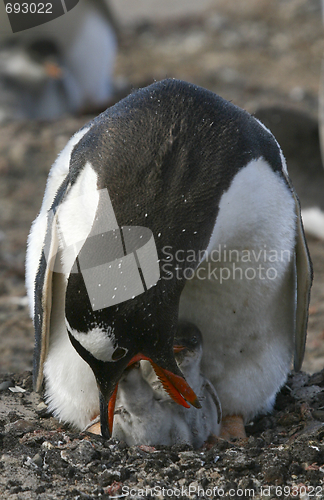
[(176, 386)]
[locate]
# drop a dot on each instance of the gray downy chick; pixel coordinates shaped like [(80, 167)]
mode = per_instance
[(141, 417), (145, 414)]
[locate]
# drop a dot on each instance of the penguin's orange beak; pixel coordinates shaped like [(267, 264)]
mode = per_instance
[(176, 386), (53, 70)]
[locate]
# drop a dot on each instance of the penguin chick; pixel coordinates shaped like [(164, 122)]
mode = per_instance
[(188, 348), (166, 422), (141, 418)]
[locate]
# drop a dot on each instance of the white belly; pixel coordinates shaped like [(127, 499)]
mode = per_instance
[(245, 307)]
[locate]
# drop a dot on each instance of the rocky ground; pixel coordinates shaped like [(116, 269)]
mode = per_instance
[(258, 54), (282, 457)]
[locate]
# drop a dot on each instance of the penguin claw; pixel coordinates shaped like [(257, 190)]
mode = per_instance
[(94, 427)]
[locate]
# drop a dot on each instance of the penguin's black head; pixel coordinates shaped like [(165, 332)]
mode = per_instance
[(188, 343), (112, 339), (188, 335)]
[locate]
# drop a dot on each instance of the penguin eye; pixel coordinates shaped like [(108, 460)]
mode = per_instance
[(119, 353), (194, 340)]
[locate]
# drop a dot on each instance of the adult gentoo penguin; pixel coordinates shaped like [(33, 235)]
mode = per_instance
[(205, 178)]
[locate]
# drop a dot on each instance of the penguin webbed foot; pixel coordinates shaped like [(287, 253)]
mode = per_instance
[(232, 428), (211, 441), (94, 426)]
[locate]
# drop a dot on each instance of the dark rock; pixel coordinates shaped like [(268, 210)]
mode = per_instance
[(292, 127), (19, 427), (318, 415), (108, 476), (296, 469), (40, 489), (288, 420), (275, 474), (317, 379)]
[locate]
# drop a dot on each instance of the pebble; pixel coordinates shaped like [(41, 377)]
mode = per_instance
[(17, 389), (187, 454), (305, 393), (318, 415), (47, 445), (19, 427), (108, 476), (81, 454), (37, 459), (41, 409)]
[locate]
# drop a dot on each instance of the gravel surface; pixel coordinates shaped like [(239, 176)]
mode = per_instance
[(260, 55), (284, 452)]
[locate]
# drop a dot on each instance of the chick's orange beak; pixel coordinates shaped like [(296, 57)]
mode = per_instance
[(178, 348)]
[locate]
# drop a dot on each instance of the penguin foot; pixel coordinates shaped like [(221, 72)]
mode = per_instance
[(94, 426), (232, 428), (211, 441)]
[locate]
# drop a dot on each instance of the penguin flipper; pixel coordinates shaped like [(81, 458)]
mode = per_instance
[(304, 276), (43, 292), (38, 273), (210, 389), (73, 212)]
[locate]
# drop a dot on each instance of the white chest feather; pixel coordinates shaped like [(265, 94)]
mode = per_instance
[(243, 299)]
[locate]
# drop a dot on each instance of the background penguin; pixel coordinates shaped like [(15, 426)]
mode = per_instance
[(204, 177), (85, 41), (33, 82)]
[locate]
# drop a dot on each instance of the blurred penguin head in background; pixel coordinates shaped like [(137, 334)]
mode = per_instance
[(61, 67)]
